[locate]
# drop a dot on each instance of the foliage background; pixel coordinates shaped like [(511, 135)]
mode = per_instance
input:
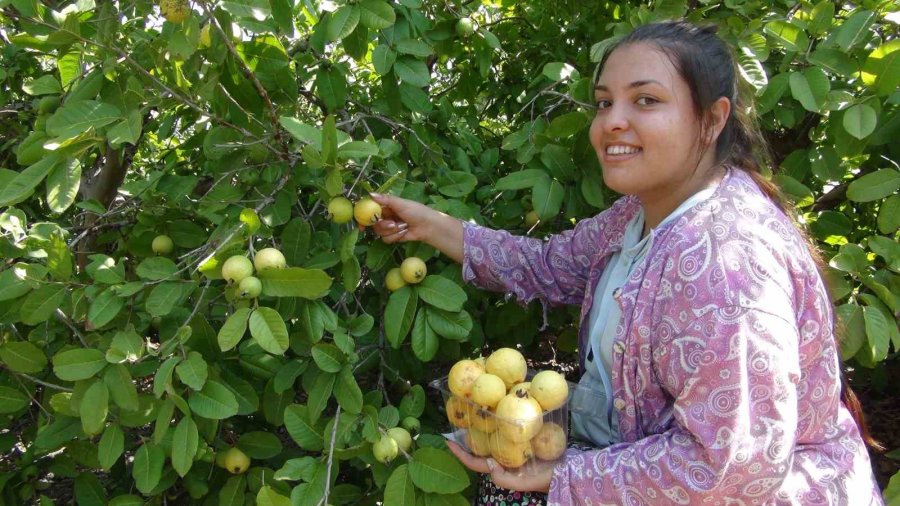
[(123, 373)]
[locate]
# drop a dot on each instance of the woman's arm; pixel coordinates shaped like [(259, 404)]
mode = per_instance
[(733, 373), (554, 270)]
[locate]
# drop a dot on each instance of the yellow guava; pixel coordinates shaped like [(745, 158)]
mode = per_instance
[(487, 390), (479, 443), (459, 412), (508, 364), (413, 270), (550, 442), (510, 454), (340, 210), (462, 376), (531, 219), (550, 389), (175, 11), (236, 268), (520, 387), (367, 212), (484, 420), (520, 417), (385, 449), (393, 280), (402, 437), (249, 288), (235, 461), (162, 245), (269, 258)]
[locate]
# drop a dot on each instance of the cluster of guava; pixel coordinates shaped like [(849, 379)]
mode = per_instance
[(393, 441), (503, 414), (367, 212)]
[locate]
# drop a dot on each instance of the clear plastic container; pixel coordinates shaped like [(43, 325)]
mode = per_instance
[(523, 446)]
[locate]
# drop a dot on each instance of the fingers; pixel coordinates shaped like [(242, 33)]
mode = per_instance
[(390, 230), (477, 464)]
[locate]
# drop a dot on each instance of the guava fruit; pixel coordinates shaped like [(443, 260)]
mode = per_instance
[(413, 270), (236, 268), (508, 364)]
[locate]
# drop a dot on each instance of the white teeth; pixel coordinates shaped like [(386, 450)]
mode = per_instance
[(621, 150)]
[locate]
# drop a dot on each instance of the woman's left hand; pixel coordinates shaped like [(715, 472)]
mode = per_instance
[(539, 482)]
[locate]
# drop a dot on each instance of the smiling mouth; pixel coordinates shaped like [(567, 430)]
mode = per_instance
[(622, 150)]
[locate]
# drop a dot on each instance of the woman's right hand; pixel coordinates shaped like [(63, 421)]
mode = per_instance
[(406, 220), (402, 219)]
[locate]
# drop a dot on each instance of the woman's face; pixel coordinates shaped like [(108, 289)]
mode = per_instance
[(645, 131)]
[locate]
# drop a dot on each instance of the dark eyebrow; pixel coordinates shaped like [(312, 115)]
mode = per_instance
[(635, 84)]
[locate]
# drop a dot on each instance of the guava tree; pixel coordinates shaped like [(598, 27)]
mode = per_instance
[(146, 145)]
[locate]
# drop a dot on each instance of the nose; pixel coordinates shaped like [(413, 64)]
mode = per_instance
[(613, 119)]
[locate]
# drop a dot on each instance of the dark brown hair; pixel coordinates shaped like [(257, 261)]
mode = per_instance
[(706, 63)]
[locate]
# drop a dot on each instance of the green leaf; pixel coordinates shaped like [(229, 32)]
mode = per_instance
[(88, 490), (547, 197), (111, 446), (156, 268), (319, 392), (567, 125), (165, 296), (12, 400), (23, 356), (424, 341), (383, 59), (860, 121), (416, 99), (560, 71), (331, 86), (451, 325), (399, 314), (347, 391), (105, 270), (328, 357), (23, 185), (78, 364), (884, 63), (295, 282), (442, 293), (215, 401), (11, 287), (94, 408), (62, 185), (267, 496), (356, 149), (295, 241), (185, 441), (163, 376), (269, 331), (413, 402), (415, 47), (456, 183), (877, 333), (434, 470), (854, 30), (44, 85), (148, 466), (874, 186), (104, 308), (889, 215), (852, 258), (892, 492), (399, 489), (127, 131), (302, 430), (74, 118), (121, 387), (301, 131), (788, 35), (376, 14), (810, 88), (886, 248), (193, 371), (233, 329), (343, 21), (412, 71), (260, 445), (520, 180), (232, 493)]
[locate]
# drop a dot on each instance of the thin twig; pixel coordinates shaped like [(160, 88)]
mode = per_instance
[(337, 417)]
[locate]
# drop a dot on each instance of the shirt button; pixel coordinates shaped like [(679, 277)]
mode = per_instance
[(616, 293), (619, 404)]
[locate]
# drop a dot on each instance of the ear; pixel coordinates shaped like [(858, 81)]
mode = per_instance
[(719, 112)]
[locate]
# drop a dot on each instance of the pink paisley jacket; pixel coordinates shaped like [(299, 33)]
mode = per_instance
[(726, 372)]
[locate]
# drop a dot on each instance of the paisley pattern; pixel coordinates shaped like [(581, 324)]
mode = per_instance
[(726, 379)]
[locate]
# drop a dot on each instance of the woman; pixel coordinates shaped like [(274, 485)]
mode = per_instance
[(704, 318)]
